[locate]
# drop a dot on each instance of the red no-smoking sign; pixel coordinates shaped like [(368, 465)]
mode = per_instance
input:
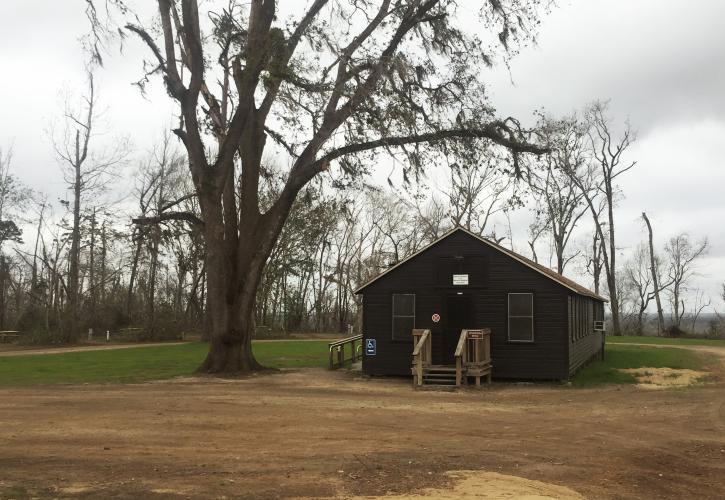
[(436, 318)]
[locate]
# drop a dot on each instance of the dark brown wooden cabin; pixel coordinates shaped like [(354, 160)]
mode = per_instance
[(542, 324)]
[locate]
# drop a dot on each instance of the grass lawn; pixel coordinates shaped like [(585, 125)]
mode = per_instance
[(628, 339), (139, 364), (620, 355)]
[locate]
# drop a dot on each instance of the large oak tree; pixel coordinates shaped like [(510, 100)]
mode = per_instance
[(331, 86)]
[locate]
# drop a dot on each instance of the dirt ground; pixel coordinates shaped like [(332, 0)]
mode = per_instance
[(319, 434)]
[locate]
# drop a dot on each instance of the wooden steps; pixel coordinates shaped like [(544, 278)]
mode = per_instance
[(472, 360), (443, 376)]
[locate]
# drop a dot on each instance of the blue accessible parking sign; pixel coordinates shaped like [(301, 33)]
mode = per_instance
[(370, 347)]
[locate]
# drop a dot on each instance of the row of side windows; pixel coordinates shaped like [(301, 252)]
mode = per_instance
[(581, 317), (520, 316)]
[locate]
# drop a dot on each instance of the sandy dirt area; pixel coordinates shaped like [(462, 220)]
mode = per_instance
[(468, 485), (664, 378), (319, 434)]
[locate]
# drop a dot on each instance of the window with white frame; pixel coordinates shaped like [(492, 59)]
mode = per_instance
[(403, 315), (521, 317)]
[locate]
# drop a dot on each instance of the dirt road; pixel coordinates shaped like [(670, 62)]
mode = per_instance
[(317, 434)]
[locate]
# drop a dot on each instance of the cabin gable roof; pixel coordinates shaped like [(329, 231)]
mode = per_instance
[(545, 271)]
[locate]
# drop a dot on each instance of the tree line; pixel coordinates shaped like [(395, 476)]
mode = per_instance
[(95, 268)]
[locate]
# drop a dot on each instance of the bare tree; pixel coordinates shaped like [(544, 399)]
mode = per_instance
[(14, 198), (595, 261), (682, 254), (640, 282), (85, 171), (562, 199), (35, 283), (655, 278), (536, 229), (607, 165), (477, 192), (342, 81), (701, 302), (433, 219)]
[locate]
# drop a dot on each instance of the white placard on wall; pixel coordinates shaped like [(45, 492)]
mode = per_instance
[(460, 279)]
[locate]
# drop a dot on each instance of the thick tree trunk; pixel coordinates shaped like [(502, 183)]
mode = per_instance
[(234, 273), (230, 350), (231, 303)]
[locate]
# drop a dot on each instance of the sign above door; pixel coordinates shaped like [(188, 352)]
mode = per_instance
[(460, 279)]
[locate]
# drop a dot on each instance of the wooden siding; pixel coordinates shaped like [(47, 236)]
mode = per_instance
[(584, 347), (492, 275)]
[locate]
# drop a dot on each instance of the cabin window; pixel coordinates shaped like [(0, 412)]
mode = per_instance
[(571, 318), (521, 317), (403, 315)]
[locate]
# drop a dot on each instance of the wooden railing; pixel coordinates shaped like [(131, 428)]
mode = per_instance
[(337, 351), (473, 355), (421, 354)]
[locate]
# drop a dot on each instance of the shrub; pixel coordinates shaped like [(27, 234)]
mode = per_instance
[(674, 331)]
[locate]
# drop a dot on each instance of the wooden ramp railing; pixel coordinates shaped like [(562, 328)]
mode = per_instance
[(473, 356), (337, 351), (421, 354)]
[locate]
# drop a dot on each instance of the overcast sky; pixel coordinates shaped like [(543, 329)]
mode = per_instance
[(661, 62)]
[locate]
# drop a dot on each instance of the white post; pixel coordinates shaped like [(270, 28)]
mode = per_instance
[(108, 336), (90, 334)]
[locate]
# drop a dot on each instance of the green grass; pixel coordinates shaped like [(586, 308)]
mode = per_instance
[(628, 339), (620, 355), (140, 364)]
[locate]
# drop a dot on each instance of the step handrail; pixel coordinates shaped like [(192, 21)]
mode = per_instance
[(460, 355), (422, 354), (479, 356), (339, 347)]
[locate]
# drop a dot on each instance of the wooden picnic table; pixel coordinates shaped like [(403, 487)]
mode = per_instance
[(9, 335)]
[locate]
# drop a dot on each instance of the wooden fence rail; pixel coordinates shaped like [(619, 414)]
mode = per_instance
[(337, 351)]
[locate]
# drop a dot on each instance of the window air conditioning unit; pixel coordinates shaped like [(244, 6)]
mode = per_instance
[(599, 326)]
